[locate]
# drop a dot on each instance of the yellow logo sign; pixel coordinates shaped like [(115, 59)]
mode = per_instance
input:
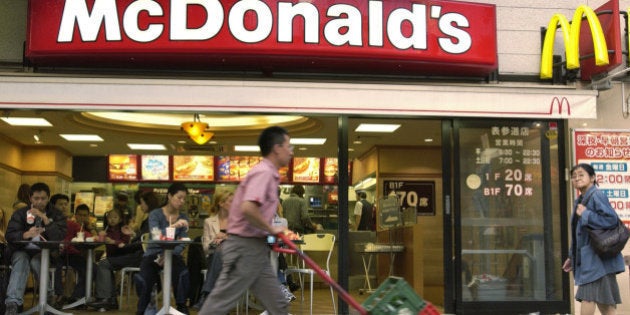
[(571, 36)]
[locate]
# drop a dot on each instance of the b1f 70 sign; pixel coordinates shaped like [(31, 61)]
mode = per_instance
[(423, 37)]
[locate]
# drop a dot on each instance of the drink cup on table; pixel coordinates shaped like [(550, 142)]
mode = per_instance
[(156, 234), (81, 236), (170, 233)]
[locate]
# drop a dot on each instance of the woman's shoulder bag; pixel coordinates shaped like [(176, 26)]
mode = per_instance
[(608, 243)]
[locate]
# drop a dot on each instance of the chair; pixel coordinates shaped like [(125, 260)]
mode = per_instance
[(315, 243), (130, 271)]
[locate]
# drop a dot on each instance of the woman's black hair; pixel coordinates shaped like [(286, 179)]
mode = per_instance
[(175, 187), (151, 199), (588, 169)]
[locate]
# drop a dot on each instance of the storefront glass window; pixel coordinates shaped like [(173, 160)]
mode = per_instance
[(510, 230)]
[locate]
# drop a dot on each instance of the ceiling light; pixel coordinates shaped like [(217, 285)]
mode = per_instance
[(302, 149), (81, 137), (377, 127), (93, 145), (428, 140), (307, 141), (357, 142), (143, 146), (27, 121), (202, 138), (38, 137), (246, 148), (196, 130), (350, 150)]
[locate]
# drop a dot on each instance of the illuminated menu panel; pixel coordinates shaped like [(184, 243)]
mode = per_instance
[(306, 170), (235, 168), (331, 170), (155, 167), (193, 168), (123, 167)]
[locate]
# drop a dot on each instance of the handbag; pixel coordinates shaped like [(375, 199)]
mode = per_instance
[(608, 243)]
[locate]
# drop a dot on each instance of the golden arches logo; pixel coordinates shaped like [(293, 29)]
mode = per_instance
[(560, 101), (571, 37)]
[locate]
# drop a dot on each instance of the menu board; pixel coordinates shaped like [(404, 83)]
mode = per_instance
[(155, 167), (84, 198), (102, 204), (235, 168), (331, 170), (123, 167), (306, 170), (193, 168), (284, 174)]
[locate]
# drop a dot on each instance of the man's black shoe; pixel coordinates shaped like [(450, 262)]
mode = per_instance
[(182, 308), (108, 304)]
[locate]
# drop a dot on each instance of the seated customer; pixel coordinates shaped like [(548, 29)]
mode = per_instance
[(213, 235), (153, 260), (128, 255), (32, 223), (73, 257)]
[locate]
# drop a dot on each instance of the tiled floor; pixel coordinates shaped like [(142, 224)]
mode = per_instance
[(322, 304)]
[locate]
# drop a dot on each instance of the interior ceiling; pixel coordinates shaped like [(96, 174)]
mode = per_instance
[(116, 135)]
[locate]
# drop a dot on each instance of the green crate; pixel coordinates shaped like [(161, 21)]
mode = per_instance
[(394, 296)]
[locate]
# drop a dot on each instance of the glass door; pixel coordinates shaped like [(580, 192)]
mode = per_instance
[(509, 226)]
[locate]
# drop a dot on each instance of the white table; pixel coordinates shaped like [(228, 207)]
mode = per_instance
[(90, 246), (168, 247), (42, 306)]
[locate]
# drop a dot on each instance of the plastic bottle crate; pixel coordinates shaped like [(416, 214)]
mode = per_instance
[(429, 309), (394, 296)]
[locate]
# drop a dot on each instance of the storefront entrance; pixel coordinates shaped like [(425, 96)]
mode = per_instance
[(507, 217)]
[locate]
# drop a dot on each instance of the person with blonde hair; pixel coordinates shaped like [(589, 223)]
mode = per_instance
[(214, 233)]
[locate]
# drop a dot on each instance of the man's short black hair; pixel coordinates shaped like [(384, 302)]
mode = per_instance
[(269, 137), (57, 197), (82, 207), (40, 187)]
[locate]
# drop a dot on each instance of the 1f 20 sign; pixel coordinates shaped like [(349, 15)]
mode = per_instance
[(414, 194)]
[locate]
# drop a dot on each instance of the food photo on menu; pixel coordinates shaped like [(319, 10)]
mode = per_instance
[(155, 167), (306, 170), (123, 167), (193, 168)]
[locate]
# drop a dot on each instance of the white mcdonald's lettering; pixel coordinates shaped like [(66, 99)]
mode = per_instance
[(571, 36), (344, 26)]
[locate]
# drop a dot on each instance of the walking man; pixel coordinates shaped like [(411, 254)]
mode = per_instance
[(246, 262)]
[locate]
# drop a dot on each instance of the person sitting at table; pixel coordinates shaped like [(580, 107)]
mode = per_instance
[(61, 203), (77, 230), (153, 260), (129, 255), (214, 228), (36, 222)]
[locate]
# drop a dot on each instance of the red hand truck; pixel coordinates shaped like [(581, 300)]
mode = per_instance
[(394, 296)]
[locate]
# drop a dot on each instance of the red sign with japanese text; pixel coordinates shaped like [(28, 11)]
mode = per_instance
[(608, 152), (396, 36)]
